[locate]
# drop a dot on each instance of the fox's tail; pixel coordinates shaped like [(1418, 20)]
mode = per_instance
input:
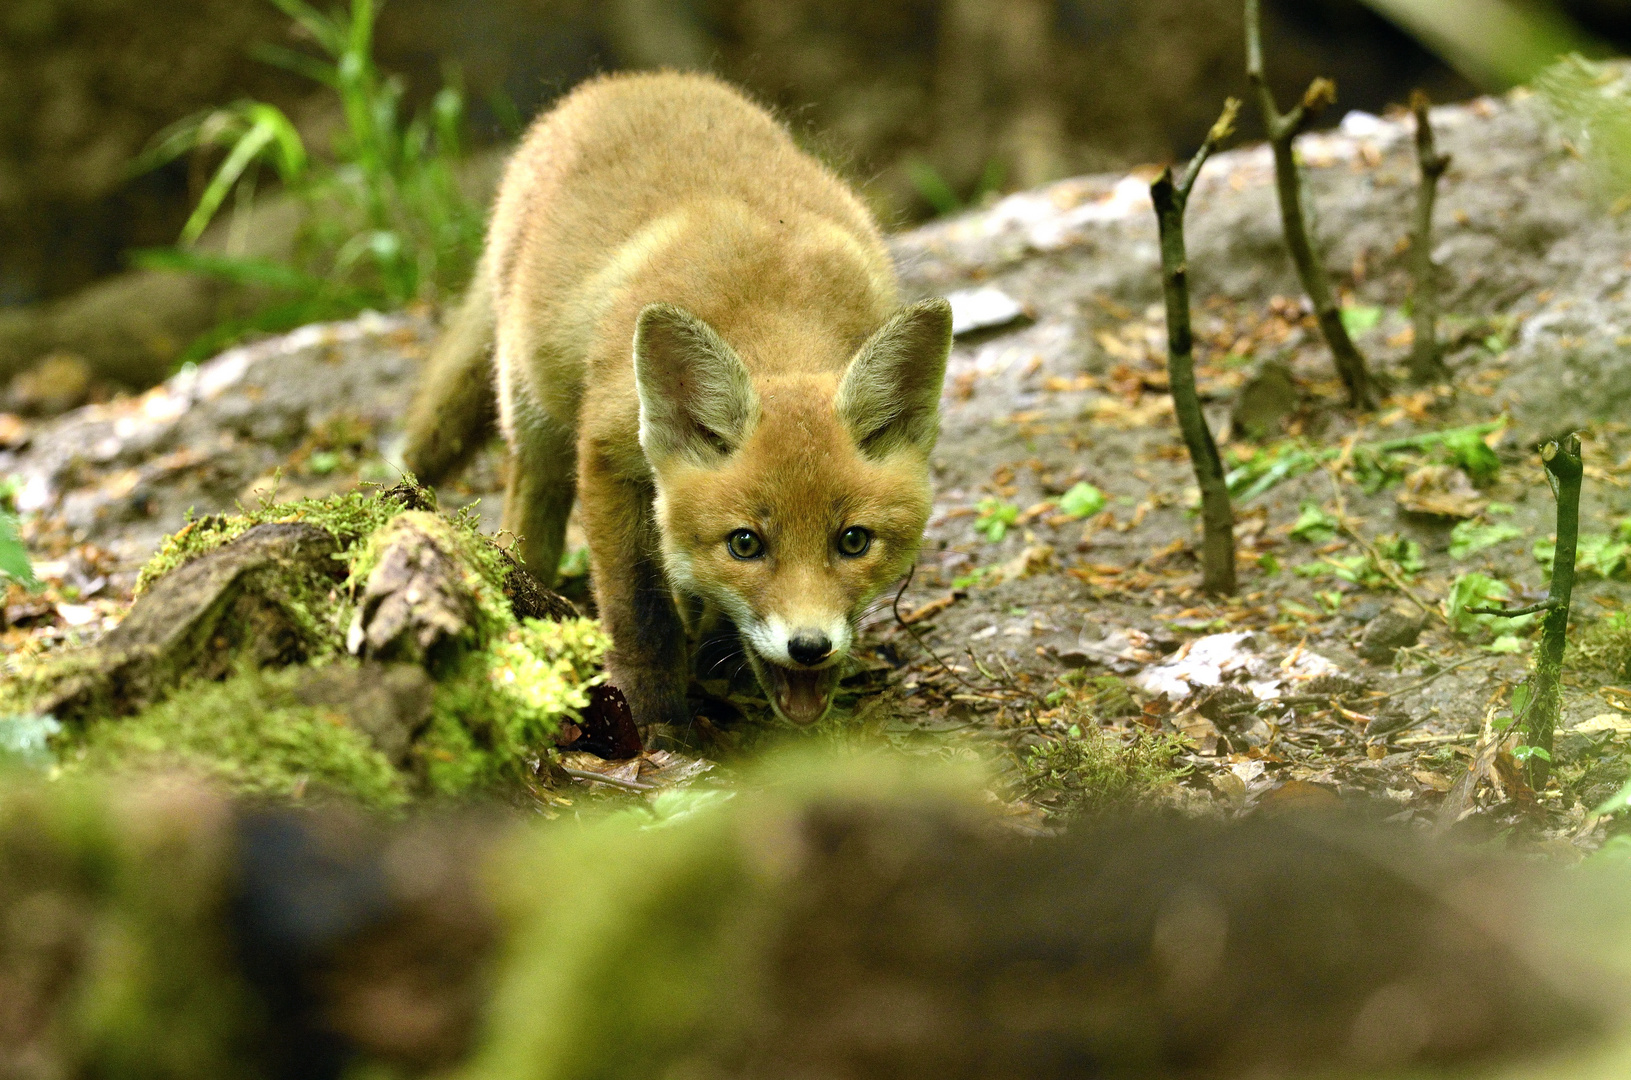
[(454, 408)]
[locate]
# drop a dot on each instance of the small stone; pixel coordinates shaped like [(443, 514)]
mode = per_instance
[(59, 382), (1265, 401), (1389, 632)]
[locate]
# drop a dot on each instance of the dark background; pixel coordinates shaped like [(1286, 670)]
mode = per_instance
[(1022, 90)]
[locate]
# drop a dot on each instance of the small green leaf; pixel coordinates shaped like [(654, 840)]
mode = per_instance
[(1469, 537), (1083, 500), (1465, 447), (1314, 525), (14, 562), (322, 462), (993, 518), (1595, 554), (1267, 563), (1479, 590), (973, 577), (1358, 318), (1524, 753)]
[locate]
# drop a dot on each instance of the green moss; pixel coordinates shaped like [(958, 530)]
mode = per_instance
[(250, 734), (118, 899), (1605, 646), (491, 718), (496, 708), (1088, 769), (669, 928), (349, 518)]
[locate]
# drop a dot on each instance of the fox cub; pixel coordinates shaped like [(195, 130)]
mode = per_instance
[(695, 329)]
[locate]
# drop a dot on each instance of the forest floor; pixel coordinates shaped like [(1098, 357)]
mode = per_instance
[(1343, 668)]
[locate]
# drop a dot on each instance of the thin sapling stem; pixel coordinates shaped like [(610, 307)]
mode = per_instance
[(1564, 470), (1283, 129), (1426, 359), (1171, 196)]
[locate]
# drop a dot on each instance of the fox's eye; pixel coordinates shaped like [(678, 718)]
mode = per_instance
[(854, 541), (745, 544)]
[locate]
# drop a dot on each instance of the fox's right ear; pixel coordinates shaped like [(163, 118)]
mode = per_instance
[(696, 398), (890, 396)]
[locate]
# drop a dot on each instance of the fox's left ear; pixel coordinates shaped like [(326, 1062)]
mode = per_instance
[(890, 396)]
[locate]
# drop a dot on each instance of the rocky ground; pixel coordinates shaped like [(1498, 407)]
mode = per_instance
[(1340, 669)]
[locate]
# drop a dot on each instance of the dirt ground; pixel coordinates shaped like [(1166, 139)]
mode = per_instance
[(1020, 595)]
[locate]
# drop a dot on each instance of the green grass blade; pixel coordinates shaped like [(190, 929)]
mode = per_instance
[(291, 156), (330, 33), (264, 273), (14, 562), (302, 64), (253, 143)]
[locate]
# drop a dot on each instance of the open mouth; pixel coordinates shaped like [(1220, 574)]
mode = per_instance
[(799, 694)]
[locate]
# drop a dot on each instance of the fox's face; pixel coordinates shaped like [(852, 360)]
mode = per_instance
[(793, 502)]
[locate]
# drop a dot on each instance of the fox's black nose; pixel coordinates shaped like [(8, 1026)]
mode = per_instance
[(809, 647)]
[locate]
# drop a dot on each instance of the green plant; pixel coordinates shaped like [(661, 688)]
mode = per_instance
[(14, 562), (1592, 104), (1082, 500), (1086, 769), (384, 222), (1314, 525), (993, 517), (1606, 646), (1598, 555), (933, 188), (1473, 536), (1470, 591)]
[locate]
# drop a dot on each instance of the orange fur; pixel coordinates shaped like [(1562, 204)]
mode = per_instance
[(685, 313)]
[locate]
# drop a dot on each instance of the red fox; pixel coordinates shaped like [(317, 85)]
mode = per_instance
[(695, 329)]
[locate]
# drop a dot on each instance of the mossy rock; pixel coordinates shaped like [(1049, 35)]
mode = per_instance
[(363, 646)]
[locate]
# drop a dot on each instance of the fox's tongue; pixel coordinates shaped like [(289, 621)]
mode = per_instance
[(803, 697)]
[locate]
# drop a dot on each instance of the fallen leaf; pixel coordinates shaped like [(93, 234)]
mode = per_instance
[(1441, 491)]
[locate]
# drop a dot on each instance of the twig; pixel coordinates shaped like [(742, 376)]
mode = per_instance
[(924, 645), (610, 781), (1511, 613), (1283, 129), (1377, 559), (1426, 359), (1566, 470), (1171, 197)]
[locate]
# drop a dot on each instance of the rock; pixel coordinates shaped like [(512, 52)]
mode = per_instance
[(1387, 633), (417, 606), (390, 703), (1268, 397), (59, 382), (1217, 702), (244, 602)]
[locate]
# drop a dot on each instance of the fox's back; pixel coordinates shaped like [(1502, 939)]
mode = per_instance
[(673, 187)]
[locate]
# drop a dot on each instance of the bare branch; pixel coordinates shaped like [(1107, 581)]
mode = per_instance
[(1171, 198), (1426, 359), (1283, 130)]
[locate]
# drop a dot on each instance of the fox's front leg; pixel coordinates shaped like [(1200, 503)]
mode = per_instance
[(649, 657)]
